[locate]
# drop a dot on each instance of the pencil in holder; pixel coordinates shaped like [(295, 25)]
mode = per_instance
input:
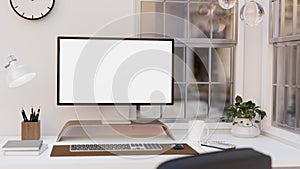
[(31, 130)]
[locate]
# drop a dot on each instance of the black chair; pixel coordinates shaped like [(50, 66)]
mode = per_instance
[(245, 158)]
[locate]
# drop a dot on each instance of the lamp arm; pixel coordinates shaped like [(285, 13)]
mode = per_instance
[(11, 59)]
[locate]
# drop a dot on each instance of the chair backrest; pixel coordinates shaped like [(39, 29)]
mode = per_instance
[(245, 158)]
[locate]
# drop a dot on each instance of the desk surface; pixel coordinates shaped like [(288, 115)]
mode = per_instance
[(282, 155)]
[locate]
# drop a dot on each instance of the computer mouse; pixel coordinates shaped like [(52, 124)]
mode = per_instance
[(178, 147)]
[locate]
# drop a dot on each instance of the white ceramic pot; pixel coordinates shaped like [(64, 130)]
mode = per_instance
[(244, 128)]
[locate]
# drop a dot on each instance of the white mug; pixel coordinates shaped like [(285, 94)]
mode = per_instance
[(196, 130)]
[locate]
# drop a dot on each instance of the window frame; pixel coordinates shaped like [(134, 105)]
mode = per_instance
[(268, 100), (202, 43)]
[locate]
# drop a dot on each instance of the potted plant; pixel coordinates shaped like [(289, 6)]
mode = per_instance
[(245, 117)]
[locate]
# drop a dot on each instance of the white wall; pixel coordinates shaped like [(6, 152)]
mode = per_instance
[(34, 44), (253, 69)]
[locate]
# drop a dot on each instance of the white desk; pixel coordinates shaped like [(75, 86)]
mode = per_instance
[(282, 155)]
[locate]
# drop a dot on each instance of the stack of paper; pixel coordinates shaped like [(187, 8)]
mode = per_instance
[(24, 147)]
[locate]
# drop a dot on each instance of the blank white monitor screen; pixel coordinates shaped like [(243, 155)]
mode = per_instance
[(114, 71)]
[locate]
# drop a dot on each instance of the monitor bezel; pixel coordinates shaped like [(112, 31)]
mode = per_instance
[(109, 104)]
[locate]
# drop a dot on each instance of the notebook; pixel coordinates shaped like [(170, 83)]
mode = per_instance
[(26, 152), (22, 145)]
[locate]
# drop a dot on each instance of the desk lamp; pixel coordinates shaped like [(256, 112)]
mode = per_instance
[(18, 74)]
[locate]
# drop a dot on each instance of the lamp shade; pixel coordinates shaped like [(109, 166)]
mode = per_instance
[(19, 75)]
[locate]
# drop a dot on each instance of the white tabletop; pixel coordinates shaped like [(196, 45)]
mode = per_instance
[(282, 155)]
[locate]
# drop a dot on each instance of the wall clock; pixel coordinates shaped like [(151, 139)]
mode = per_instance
[(32, 9)]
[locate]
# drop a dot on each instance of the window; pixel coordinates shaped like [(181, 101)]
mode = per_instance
[(205, 40), (286, 85), (285, 36)]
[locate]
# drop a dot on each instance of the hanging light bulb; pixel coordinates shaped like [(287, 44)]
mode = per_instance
[(252, 13), (227, 4)]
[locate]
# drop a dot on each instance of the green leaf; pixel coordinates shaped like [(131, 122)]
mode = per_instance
[(238, 99), (250, 104), (256, 121), (234, 123), (231, 108), (244, 105), (242, 109), (229, 114)]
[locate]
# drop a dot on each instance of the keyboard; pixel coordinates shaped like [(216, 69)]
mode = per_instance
[(115, 147)]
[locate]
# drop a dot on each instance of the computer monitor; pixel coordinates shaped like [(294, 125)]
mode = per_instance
[(114, 71)]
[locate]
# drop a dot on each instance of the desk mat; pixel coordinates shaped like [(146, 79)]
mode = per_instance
[(63, 151)]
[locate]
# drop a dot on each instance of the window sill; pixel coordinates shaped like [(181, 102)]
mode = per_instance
[(220, 128), (283, 136)]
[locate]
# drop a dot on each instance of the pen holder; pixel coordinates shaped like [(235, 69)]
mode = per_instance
[(31, 130)]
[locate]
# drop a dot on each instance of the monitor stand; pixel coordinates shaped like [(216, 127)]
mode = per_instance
[(98, 123), (116, 122), (123, 123)]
